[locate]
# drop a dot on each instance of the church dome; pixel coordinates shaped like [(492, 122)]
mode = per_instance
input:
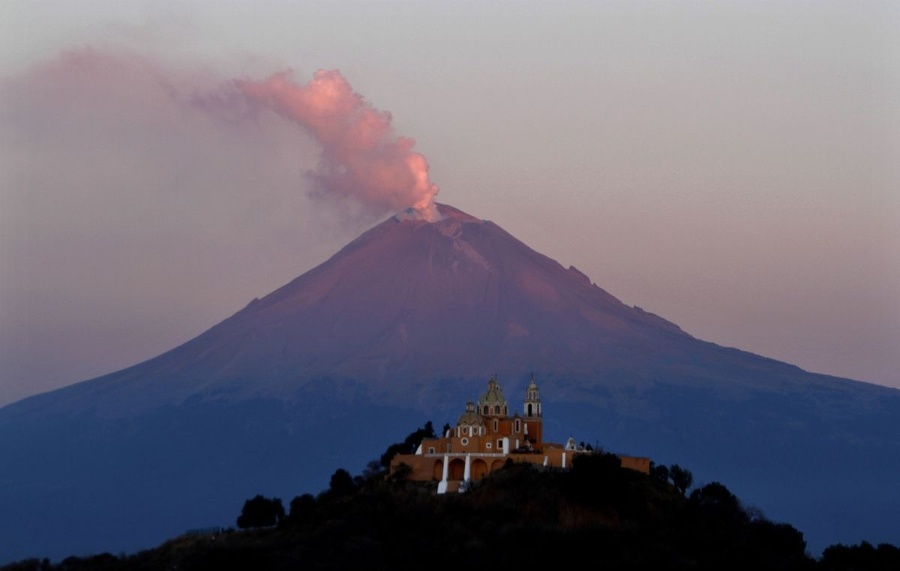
[(470, 417), (492, 401)]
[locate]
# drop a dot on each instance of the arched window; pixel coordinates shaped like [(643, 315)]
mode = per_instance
[(518, 425), (485, 410), (529, 409), (496, 425)]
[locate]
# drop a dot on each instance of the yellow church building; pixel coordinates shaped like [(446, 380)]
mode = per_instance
[(486, 436)]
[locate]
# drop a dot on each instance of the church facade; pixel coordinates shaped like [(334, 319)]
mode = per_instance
[(487, 435)]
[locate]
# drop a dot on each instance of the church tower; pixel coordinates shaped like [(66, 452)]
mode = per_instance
[(532, 423), (532, 401)]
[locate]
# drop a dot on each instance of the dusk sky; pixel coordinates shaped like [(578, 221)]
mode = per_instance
[(733, 167)]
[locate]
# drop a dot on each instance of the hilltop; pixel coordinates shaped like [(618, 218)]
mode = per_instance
[(596, 513)]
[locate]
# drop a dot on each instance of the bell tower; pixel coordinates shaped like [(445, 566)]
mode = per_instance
[(532, 423), (532, 408)]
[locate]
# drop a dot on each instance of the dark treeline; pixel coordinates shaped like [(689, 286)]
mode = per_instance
[(596, 514)]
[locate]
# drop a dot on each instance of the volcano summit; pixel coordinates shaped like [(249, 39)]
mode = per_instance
[(397, 328), (408, 302)]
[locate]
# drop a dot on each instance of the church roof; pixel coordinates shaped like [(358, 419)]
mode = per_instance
[(470, 417), (493, 395)]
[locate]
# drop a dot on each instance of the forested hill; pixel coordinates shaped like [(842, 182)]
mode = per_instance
[(596, 514)]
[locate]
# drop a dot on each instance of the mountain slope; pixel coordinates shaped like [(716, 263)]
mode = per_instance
[(412, 300), (404, 324)]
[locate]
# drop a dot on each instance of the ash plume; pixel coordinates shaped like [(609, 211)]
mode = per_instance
[(362, 158)]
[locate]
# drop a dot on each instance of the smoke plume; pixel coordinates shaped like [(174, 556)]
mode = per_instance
[(362, 158)]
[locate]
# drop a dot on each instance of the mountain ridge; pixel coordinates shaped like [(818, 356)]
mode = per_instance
[(313, 286)]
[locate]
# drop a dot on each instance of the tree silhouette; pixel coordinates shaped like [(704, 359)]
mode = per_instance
[(261, 512), (302, 508), (841, 557), (659, 471), (341, 483), (682, 479)]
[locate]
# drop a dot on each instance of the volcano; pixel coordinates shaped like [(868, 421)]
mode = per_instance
[(404, 325)]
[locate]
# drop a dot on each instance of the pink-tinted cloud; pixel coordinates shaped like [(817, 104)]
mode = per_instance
[(131, 219), (362, 158)]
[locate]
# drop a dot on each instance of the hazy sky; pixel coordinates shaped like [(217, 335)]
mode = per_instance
[(731, 166)]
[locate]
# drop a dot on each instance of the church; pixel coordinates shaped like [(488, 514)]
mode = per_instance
[(486, 436)]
